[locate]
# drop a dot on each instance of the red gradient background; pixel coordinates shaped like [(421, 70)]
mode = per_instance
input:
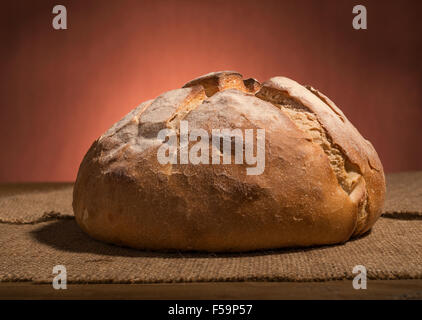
[(59, 90)]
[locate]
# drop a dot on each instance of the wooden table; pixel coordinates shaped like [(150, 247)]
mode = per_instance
[(343, 289)]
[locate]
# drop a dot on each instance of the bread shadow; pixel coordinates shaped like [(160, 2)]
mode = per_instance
[(403, 216), (65, 235)]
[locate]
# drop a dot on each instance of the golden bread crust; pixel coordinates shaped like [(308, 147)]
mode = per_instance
[(323, 182)]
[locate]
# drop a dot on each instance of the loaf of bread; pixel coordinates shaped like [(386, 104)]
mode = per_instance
[(319, 181)]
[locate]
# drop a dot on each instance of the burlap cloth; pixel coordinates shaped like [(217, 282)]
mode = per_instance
[(37, 232)]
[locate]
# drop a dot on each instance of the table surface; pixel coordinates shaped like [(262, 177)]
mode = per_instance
[(342, 289), (408, 183)]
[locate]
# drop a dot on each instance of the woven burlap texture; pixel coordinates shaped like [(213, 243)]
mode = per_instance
[(37, 232)]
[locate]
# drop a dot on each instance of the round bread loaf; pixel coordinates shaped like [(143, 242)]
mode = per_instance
[(322, 182)]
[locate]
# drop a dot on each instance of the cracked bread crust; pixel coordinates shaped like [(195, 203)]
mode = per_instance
[(323, 182), (355, 161)]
